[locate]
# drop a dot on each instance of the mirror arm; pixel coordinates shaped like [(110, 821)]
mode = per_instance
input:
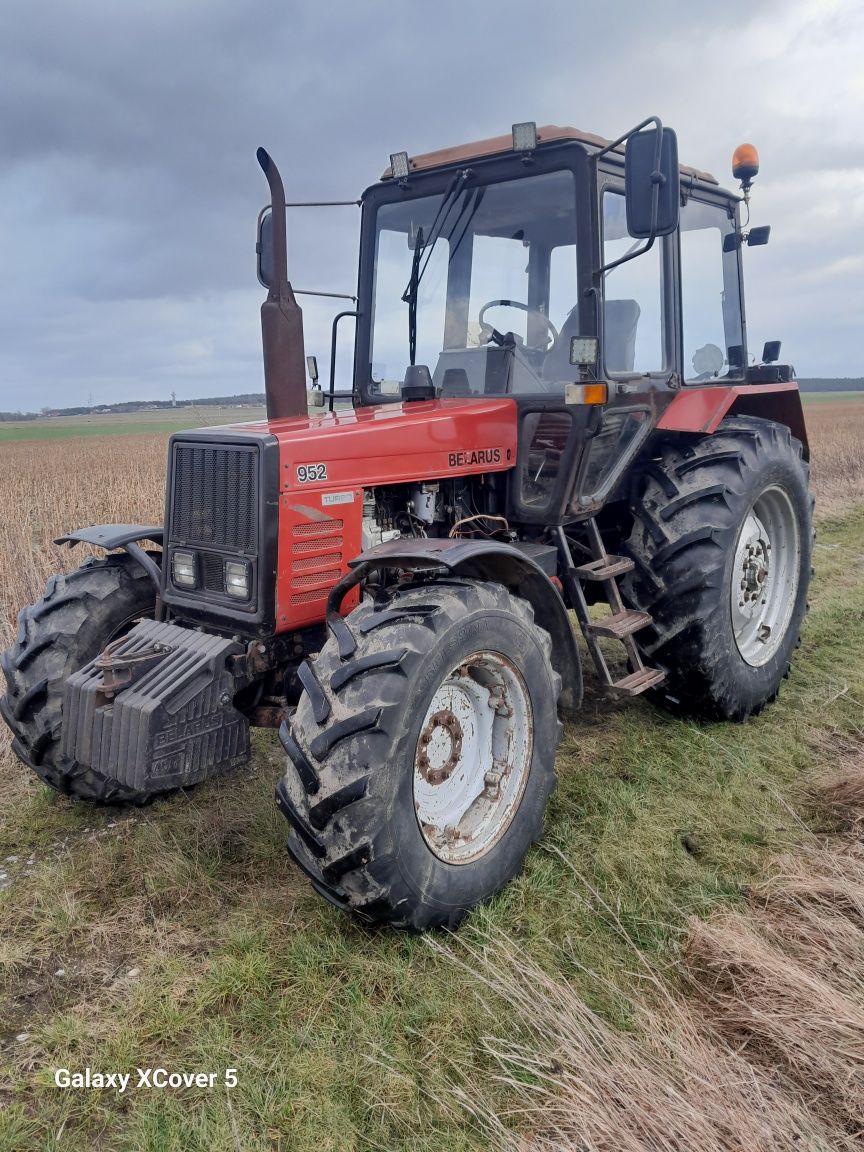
[(333, 332), (632, 131), (630, 255), (656, 180)]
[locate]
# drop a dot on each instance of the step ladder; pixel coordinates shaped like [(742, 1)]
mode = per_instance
[(621, 624)]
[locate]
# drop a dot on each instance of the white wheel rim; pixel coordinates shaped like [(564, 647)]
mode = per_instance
[(473, 757), (765, 576)]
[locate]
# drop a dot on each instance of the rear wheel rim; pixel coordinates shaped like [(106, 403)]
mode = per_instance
[(473, 757), (765, 576)]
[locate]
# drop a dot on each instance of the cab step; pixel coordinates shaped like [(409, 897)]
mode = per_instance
[(606, 568), (620, 624), (639, 681)]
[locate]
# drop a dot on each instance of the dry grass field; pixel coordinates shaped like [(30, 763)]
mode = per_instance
[(681, 965)]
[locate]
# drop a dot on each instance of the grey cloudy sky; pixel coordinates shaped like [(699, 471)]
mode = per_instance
[(129, 187)]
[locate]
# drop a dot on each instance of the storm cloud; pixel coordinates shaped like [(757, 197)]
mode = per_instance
[(129, 187)]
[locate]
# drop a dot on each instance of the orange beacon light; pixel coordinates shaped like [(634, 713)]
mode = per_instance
[(745, 164)]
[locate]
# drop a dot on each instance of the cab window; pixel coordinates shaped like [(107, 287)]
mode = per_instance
[(710, 295), (632, 297)]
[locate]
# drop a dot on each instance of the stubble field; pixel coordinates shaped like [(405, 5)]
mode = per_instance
[(680, 965)]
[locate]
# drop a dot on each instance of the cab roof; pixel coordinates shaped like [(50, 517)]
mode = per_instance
[(548, 134)]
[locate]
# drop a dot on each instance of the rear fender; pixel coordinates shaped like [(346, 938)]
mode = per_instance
[(111, 536), (702, 409), (486, 560)]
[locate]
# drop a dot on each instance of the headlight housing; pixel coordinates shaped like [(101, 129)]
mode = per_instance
[(184, 570), (238, 579)]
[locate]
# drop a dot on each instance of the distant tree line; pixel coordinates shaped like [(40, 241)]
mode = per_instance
[(244, 398), (839, 384)]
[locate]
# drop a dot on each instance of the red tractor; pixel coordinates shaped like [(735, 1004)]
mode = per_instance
[(552, 409)]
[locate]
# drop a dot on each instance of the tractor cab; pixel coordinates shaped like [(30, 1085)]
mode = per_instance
[(589, 280), (519, 270)]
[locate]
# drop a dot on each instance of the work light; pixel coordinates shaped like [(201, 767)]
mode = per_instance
[(399, 165), (525, 136), (183, 569), (237, 579)]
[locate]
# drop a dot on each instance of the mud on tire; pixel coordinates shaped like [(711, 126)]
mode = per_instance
[(348, 791), (76, 617), (695, 496)]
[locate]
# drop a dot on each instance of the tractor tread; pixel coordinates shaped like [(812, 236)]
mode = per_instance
[(60, 633), (342, 729), (309, 778), (342, 803), (317, 697), (681, 543), (390, 658)]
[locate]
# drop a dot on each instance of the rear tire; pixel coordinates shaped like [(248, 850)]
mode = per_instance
[(390, 738), (723, 542), (78, 615)]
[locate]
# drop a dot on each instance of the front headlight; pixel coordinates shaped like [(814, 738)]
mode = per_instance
[(183, 569), (237, 579)]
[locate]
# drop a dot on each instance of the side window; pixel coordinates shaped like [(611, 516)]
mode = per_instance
[(710, 299), (632, 297), (563, 296)]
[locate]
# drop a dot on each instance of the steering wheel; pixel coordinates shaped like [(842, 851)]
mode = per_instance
[(491, 335)]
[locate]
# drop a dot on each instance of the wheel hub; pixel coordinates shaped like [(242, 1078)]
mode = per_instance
[(755, 568), (440, 747), (472, 758), (765, 576)]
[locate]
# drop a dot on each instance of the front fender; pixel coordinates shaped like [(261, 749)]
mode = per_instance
[(492, 560), (110, 536)]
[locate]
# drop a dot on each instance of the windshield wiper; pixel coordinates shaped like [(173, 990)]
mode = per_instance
[(409, 296)]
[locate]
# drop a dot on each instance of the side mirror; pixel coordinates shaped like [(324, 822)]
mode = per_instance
[(264, 250), (758, 236), (652, 183), (771, 352)]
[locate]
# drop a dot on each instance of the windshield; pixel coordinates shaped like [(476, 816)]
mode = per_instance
[(491, 273)]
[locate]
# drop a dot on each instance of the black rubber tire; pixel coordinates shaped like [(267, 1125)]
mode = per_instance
[(695, 495), (348, 788), (76, 617)]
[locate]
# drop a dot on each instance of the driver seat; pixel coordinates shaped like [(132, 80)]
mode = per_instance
[(621, 320), (556, 364)]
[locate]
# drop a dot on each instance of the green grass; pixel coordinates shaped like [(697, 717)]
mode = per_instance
[(157, 420), (815, 397), (343, 1037)]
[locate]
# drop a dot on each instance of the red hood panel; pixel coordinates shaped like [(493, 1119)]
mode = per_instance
[(395, 443)]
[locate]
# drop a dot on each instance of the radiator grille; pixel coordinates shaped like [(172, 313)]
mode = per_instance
[(311, 563), (213, 569), (215, 496), (316, 559), (318, 528)]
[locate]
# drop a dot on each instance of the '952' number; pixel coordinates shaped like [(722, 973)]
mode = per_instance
[(307, 473)]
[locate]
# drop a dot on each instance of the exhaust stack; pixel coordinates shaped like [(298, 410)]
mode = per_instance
[(281, 316)]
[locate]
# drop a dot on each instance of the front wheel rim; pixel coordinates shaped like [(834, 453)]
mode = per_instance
[(473, 757), (765, 576)]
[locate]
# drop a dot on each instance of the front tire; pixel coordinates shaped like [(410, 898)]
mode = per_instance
[(421, 756), (723, 541), (77, 616)]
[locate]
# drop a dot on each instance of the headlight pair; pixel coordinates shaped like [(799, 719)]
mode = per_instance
[(237, 574)]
